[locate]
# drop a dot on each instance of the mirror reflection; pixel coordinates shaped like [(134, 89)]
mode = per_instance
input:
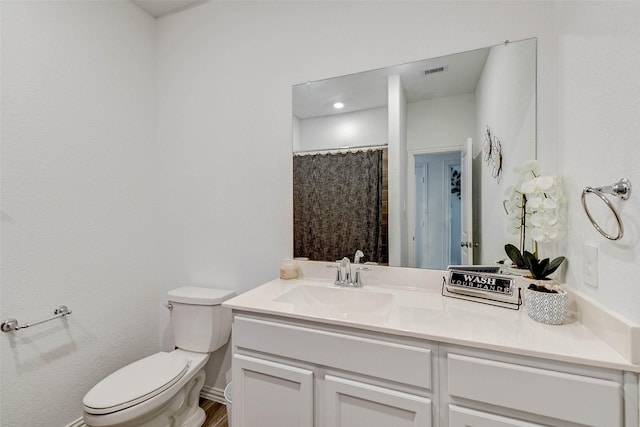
[(410, 163)]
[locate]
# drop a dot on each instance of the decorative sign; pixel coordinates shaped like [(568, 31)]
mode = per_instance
[(485, 282), (477, 268)]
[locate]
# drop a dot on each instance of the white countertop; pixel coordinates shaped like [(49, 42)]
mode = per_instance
[(422, 312)]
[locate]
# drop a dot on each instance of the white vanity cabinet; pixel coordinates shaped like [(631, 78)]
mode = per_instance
[(488, 389), (301, 373), (399, 353), (293, 373)]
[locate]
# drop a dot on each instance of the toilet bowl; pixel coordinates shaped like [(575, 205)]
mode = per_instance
[(164, 389)]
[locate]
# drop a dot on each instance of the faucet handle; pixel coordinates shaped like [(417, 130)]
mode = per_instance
[(345, 271), (337, 267), (357, 283)]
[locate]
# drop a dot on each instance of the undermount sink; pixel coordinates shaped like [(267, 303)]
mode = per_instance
[(345, 302)]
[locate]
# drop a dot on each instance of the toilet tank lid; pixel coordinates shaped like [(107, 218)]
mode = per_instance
[(200, 296)]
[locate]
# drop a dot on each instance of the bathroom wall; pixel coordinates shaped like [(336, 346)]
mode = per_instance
[(440, 122), (506, 102), (598, 142), (78, 218), (364, 127), (80, 226)]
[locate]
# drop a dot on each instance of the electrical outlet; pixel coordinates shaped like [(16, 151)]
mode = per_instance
[(590, 264)]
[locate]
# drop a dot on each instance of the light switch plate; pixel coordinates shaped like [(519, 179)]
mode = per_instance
[(590, 264)]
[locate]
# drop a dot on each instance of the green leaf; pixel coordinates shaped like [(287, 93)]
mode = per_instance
[(531, 262), (514, 254), (553, 265), (543, 265)]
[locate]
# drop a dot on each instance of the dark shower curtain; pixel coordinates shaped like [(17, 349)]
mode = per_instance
[(337, 205)]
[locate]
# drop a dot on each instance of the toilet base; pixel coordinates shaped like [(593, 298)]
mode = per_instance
[(181, 410)]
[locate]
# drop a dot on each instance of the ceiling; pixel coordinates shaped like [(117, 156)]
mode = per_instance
[(158, 8), (361, 91)]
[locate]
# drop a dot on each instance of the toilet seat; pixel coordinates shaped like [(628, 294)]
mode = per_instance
[(136, 383)]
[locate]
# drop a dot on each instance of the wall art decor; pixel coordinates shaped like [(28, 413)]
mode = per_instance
[(493, 154)]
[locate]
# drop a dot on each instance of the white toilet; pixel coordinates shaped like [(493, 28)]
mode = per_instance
[(164, 388)]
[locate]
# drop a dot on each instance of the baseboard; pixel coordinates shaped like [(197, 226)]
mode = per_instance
[(213, 393)]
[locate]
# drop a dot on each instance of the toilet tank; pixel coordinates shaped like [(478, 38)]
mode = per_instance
[(199, 321)]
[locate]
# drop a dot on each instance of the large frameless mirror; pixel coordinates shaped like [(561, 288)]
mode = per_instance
[(410, 163)]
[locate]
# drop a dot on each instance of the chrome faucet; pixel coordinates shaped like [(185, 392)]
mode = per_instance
[(358, 256), (344, 274)]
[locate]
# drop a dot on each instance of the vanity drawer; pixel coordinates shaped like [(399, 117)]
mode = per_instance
[(465, 417), (402, 363), (570, 397)]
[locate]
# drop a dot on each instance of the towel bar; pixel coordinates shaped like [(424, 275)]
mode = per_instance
[(10, 325)]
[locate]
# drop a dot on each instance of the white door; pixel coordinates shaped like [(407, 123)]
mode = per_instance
[(267, 393), (354, 404), (466, 183), (437, 209)]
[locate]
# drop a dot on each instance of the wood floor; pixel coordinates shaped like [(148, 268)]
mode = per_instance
[(216, 413)]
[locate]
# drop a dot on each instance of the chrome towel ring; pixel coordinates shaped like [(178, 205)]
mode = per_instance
[(621, 189)]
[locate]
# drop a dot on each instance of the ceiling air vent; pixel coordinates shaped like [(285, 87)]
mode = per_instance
[(435, 70)]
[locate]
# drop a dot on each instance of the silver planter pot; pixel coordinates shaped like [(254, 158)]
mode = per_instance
[(549, 308)]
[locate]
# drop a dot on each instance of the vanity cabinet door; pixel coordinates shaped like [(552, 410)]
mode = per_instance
[(355, 404), (267, 393)]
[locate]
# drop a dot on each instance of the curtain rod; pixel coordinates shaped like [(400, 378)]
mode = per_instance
[(341, 149)]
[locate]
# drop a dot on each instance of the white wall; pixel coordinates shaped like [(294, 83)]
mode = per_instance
[(441, 122), (78, 220), (506, 102), (224, 149), (358, 128), (295, 131), (397, 161), (598, 64)]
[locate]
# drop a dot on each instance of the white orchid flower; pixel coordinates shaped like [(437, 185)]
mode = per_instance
[(549, 204), (545, 182), (534, 203), (540, 199)]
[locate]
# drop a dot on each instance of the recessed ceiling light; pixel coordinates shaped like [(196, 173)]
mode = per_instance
[(338, 105)]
